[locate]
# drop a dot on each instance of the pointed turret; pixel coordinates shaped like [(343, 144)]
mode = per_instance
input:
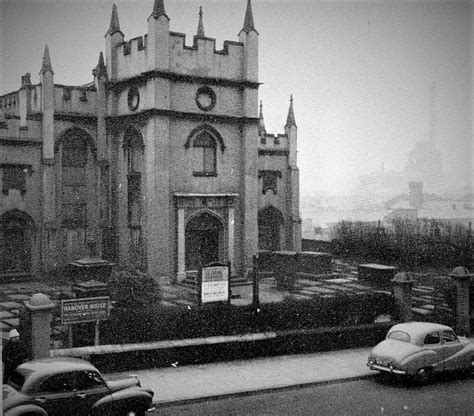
[(249, 37), (113, 37), (114, 22), (159, 9), (200, 29), (261, 122), (100, 70), (158, 44), (290, 120), (248, 21), (46, 66)]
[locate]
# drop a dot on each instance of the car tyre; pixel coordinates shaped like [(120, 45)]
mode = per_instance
[(422, 376), (135, 413)]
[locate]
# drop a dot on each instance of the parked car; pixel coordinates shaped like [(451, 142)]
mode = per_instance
[(70, 386), (419, 349)]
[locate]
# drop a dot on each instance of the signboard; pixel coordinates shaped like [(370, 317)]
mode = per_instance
[(75, 311), (214, 283)]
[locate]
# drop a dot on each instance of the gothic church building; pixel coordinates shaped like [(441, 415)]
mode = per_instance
[(162, 162)]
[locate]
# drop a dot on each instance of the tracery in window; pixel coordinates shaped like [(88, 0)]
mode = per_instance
[(204, 155)]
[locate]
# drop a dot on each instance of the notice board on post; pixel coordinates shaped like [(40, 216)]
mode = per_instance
[(214, 283), (79, 310)]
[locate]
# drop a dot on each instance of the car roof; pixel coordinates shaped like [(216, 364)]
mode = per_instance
[(56, 364), (415, 329), (418, 330), (36, 370)]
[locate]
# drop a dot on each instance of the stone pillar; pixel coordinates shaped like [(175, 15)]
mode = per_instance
[(38, 325), (181, 246), (402, 288), (462, 278)]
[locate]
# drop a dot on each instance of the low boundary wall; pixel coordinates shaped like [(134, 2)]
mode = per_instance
[(129, 357)]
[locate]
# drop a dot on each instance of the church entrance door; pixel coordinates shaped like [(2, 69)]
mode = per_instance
[(203, 239)]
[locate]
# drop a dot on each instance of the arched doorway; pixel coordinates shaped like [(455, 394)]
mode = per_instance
[(15, 242), (270, 221), (204, 236)]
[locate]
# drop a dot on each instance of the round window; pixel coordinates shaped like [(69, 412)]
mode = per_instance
[(205, 98), (133, 98)]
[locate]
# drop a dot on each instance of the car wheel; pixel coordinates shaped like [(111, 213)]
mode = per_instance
[(135, 413), (423, 375)]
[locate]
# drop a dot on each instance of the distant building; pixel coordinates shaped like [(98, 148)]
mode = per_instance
[(162, 162)]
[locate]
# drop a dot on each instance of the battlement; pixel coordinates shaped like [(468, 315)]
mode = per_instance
[(274, 142), (138, 43), (199, 59), (76, 99), (10, 104)]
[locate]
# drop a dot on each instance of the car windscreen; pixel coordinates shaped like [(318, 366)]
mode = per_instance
[(399, 336), (16, 380)]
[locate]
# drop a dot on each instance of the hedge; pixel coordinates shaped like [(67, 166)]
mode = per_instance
[(158, 323)]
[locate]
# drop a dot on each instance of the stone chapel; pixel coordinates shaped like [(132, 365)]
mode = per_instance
[(161, 162)]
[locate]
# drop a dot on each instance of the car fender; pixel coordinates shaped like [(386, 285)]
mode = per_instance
[(139, 396), (421, 359), (29, 409)]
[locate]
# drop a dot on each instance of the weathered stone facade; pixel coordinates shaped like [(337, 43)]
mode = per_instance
[(161, 162)]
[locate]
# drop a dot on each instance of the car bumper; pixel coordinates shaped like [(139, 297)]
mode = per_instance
[(386, 369)]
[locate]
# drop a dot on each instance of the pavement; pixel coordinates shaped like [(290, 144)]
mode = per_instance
[(186, 384)]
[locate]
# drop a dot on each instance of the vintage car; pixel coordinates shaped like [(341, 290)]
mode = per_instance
[(419, 349), (69, 386)]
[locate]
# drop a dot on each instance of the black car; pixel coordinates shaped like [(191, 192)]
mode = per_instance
[(69, 386)]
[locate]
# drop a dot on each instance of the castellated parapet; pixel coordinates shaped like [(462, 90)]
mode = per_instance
[(274, 142), (201, 59)]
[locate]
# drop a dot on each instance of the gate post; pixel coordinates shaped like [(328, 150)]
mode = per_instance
[(402, 288), (462, 277), (36, 325)]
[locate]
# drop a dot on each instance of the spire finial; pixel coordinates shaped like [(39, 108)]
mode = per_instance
[(100, 70), (261, 123), (200, 29), (290, 120), (159, 9), (114, 22), (248, 22), (46, 66)]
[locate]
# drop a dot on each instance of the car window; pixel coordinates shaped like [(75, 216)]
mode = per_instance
[(16, 380), (88, 379), (58, 383), (432, 338), (399, 336), (449, 336)]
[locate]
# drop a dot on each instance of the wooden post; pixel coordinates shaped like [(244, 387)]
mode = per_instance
[(255, 286), (70, 343), (96, 333), (199, 286), (229, 290)]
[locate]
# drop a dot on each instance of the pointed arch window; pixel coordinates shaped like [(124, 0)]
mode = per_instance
[(204, 155), (74, 156), (133, 147)]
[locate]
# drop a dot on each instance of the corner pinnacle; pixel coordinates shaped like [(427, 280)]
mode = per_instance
[(46, 66)]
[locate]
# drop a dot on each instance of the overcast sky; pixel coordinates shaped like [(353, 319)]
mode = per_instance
[(360, 72)]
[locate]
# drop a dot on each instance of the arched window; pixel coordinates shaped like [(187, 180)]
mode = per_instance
[(133, 147), (74, 153), (204, 155)]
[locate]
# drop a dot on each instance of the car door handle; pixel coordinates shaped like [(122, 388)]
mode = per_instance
[(81, 395)]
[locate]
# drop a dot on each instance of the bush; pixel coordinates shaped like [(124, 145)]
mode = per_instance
[(135, 296)]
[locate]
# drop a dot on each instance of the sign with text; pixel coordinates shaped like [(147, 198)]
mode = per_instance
[(75, 311), (215, 283)]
